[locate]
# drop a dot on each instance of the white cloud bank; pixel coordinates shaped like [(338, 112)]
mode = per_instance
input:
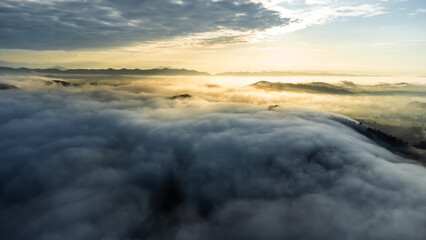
[(91, 164)]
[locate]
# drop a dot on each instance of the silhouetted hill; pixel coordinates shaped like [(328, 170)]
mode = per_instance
[(181, 96), (4, 86), (110, 71), (314, 87), (58, 67), (418, 104), (346, 87)]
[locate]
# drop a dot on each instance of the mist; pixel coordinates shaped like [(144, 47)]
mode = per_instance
[(129, 161)]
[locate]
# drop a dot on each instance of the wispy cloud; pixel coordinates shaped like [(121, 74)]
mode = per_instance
[(401, 42), (314, 12), (418, 12)]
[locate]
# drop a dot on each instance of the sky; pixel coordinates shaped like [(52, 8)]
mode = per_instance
[(357, 36)]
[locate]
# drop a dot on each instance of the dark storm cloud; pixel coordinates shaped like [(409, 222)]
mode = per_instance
[(86, 164), (106, 23)]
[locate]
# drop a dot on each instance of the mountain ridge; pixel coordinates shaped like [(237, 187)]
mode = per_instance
[(111, 71), (170, 72)]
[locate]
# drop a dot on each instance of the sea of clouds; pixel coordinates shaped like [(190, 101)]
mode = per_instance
[(104, 163)]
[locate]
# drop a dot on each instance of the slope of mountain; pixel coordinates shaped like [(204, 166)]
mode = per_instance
[(381, 136)]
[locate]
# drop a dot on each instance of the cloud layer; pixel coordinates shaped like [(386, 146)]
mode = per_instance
[(72, 24), (90, 164)]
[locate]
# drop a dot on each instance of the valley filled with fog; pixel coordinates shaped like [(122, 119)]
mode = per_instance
[(395, 105), (178, 157)]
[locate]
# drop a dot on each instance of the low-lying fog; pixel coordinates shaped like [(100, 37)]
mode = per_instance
[(128, 157), (396, 105)]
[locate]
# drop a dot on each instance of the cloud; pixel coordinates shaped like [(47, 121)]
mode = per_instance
[(107, 164), (72, 24), (319, 2), (418, 12), (68, 24), (318, 12)]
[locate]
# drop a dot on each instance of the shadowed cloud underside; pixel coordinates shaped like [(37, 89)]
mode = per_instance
[(43, 25)]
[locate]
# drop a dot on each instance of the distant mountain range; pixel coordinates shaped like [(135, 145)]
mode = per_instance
[(109, 71), (58, 67), (163, 72), (282, 74)]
